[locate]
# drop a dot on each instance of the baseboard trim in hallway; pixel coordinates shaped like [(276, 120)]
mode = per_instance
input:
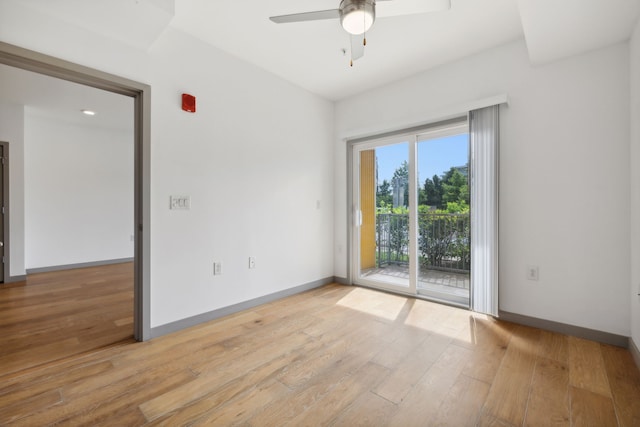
[(78, 265)]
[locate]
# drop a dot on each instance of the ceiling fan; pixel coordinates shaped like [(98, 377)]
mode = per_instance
[(357, 16)]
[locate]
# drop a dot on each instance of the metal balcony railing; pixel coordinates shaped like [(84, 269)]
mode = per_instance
[(443, 240)]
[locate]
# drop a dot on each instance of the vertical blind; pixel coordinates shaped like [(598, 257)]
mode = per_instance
[(484, 131)]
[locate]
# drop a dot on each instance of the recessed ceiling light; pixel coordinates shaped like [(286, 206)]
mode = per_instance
[(89, 112)]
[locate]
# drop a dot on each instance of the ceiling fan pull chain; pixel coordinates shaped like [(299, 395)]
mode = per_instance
[(351, 52), (364, 25)]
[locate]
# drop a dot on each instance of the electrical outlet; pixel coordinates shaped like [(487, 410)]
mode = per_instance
[(533, 272), (217, 268), (252, 262)]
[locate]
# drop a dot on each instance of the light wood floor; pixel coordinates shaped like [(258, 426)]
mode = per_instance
[(59, 314), (342, 356)]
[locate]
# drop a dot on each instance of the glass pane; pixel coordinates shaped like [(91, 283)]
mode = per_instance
[(384, 203), (444, 252)]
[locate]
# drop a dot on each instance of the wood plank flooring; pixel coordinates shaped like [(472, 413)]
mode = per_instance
[(59, 314), (336, 356)]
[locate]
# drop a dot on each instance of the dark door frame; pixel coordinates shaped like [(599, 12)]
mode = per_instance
[(141, 93), (5, 215)]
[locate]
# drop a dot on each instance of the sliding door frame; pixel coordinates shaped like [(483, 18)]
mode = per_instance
[(412, 137), (355, 213)]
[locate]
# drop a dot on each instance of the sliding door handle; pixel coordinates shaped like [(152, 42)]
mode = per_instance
[(357, 218)]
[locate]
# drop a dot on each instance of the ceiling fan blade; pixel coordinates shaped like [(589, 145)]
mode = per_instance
[(306, 16), (357, 46), (387, 8)]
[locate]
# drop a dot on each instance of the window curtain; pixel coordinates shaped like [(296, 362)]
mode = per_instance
[(484, 133)]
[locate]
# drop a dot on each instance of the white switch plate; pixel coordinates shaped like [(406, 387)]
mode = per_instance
[(180, 202), (252, 262), (217, 268), (533, 273)]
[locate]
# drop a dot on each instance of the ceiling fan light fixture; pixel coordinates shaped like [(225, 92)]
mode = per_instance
[(357, 16)]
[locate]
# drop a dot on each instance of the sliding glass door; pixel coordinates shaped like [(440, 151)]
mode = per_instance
[(382, 221), (444, 250), (410, 228)]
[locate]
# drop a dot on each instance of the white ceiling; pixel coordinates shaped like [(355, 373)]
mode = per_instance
[(310, 54), (64, 101), (556, 29), (135, 22)]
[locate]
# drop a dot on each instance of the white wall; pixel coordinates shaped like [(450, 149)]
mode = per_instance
[(634, 54), (12, 131), (256, 159), (78, 192), (564, 177)]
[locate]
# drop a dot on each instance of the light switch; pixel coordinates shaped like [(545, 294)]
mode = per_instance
[(217, 268), (180, 202)]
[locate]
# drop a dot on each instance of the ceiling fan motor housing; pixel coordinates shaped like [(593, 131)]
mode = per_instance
[(357, 16)]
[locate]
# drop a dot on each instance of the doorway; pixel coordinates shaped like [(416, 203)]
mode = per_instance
[(411, 200), (140, 93)]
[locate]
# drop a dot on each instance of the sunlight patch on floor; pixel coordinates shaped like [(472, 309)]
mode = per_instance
[(377, 304)]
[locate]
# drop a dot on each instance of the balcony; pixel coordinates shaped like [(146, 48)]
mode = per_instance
[(444, 256)]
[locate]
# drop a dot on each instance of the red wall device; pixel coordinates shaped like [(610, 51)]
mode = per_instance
[(188, 103)]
